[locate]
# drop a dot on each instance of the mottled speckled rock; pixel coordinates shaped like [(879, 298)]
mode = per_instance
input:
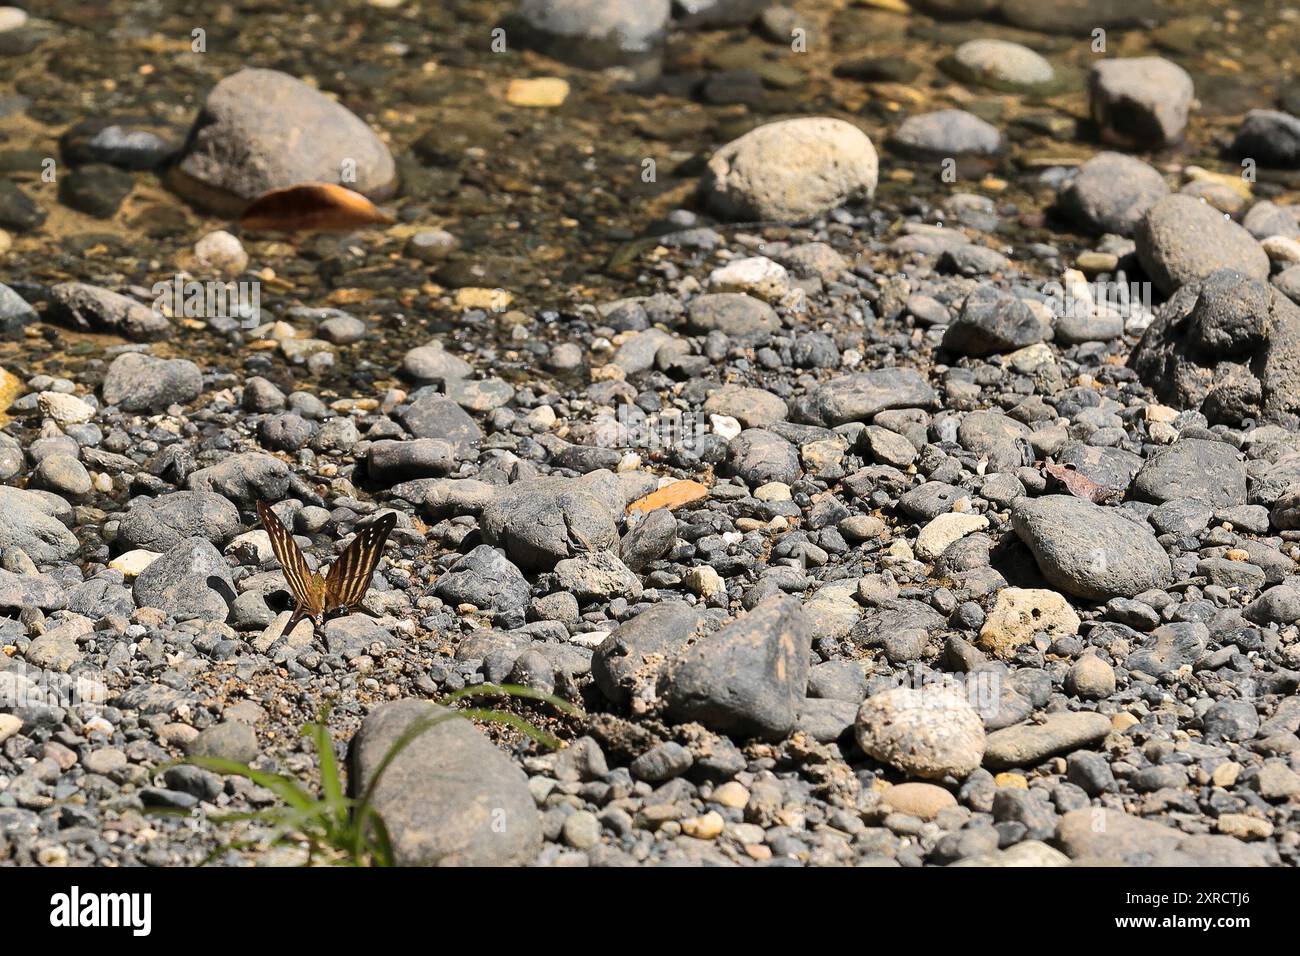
[(1027, 744), (931, 732), (1182, 238), (791, 170)]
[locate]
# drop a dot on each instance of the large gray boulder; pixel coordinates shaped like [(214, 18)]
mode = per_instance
[(88, 308), (18, 591), (192, 580), (541, 521), (159, 524), (627, 664), (1105, 837), (263, 129), (759, 456), (594, 33), (1140, 102), (791, 170), (32, 521), (992, 320), (1090, 551), (742, 317), (1208, 472), (861, 396), (16, 313), (136, 382), (486, 578), (449, 798), (1111, 193), (1228, 345), (1270, 137), (244, 478), (1182, 238), (747, 680)]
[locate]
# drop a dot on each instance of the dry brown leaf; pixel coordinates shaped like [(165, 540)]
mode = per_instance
[(1079, 484), (677, 495), (312, 207)]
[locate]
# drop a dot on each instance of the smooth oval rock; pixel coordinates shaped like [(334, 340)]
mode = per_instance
[(791, 170), (262, 129), (1090, 551), (1181, 239), (932, 732)]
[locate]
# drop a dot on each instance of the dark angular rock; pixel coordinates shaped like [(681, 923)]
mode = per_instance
[(1228, 345), (487, 579), (747, 680)]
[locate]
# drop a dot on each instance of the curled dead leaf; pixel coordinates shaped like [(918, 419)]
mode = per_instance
[(312, 207), (676, 495), (1080, 485)]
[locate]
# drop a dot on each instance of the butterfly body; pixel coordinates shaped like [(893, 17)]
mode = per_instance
[(343, 585)]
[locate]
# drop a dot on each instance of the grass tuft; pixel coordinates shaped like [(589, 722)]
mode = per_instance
[(339, 830)]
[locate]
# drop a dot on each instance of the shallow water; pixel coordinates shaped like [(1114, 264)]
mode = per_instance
[(550, 204)]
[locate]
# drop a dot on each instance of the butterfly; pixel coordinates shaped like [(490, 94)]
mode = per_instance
[(345, 583)]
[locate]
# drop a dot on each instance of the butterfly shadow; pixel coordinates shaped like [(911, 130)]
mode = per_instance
[(222, 587)]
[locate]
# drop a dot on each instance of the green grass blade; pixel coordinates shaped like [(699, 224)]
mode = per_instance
[(286, 788), (510, 690), (330, 782), (515, 721), (415, 729)]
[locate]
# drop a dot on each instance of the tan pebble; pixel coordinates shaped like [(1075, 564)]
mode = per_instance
[(543, 91), (1244, 827), (759, 852), (1122, 722), (493, 300), (1091, 678), (9, 725), (179, 734), (1237, 554), (1159, 413), (1226, 773), (132, 563), (924, 800), (1013, 781), (706, 827), (1095, 262), (731, 794)]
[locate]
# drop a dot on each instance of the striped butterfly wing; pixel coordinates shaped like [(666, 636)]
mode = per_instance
[(290, 556), (348, 578)]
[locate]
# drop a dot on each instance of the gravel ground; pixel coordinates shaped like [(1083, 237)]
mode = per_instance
[(861, 531)]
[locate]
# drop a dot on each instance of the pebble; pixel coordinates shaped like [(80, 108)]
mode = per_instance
[(1002, 65), (1021, 613), (1140, 102), (791, 170), (543, 91), (1025, 745), (222, 252), (931, 732)]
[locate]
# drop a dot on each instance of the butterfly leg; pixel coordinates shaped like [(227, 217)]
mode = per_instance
[(299, 612)]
